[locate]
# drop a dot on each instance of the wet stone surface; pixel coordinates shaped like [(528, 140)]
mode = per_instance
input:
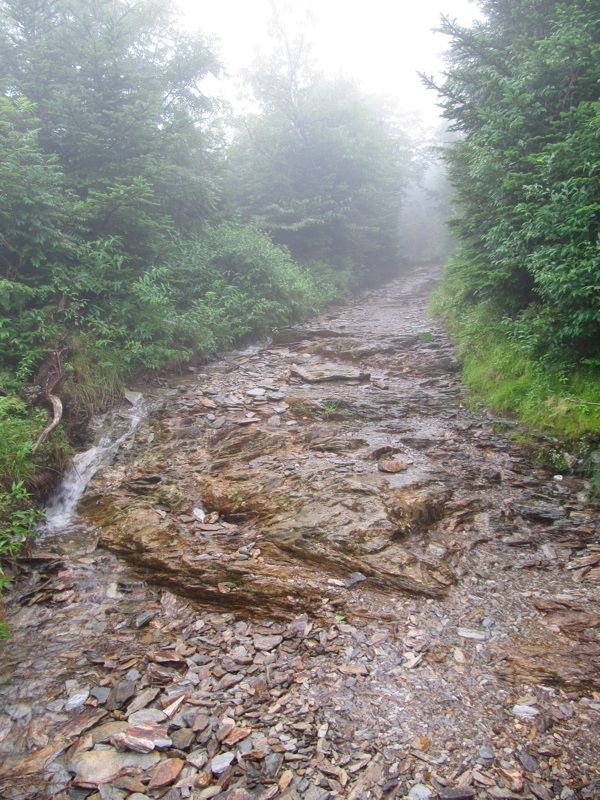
[(319, 575)]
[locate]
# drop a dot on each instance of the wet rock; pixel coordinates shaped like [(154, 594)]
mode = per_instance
[(102, 766), (321, 373), (293, 534), (296, 335), (134, 398)]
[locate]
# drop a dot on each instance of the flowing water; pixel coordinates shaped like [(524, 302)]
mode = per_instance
[(62, 528)]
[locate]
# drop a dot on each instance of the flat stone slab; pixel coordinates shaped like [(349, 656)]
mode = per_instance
[(101, 766), (321, 373)]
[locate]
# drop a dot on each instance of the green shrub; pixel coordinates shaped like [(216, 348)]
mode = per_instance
[(502, 371)]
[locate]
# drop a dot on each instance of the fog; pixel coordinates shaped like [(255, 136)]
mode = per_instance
[(380, 43)]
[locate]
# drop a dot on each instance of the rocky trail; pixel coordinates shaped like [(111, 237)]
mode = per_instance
[(312, 572)]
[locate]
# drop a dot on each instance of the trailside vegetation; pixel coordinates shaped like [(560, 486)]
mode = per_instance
[(126, 240), (522, 90), (321, 166)]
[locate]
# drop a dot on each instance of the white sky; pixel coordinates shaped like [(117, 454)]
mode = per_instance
[(381, 43)]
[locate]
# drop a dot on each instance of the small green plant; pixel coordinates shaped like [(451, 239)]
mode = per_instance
[(18, 519), (330, 407), (425, 337)]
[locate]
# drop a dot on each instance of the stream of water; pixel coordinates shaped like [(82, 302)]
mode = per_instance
[(114, 430)]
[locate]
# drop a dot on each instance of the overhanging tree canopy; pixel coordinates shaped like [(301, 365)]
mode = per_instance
[(523, 88)]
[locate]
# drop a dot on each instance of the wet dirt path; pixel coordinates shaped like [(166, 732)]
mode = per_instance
[(320, 575)]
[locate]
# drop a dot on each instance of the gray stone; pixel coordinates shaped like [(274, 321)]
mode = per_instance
[(220, 763), (469, 633), (530, 764), (329, 372), (100, 693), (420, 792), (77, 699), (525, 711), (133, 397), (119, 694), (273, 763), (147, 716), (197, 758)]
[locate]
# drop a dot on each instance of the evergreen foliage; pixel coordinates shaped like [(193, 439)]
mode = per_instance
[(523, 90)]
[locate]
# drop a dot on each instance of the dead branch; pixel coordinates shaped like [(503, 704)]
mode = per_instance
[(57, 410), (53, 370)]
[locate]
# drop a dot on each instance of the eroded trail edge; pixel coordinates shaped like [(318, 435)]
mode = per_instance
[(320, 575)]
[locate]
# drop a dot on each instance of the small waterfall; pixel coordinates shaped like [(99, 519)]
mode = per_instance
[(116, 429)]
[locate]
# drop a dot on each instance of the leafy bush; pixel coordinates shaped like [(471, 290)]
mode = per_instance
[(17, 520)]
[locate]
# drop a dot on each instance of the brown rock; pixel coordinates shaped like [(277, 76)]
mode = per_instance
[(390, 465), (102, 766), (267, 642), (237, 735), (142, 700), (144, 738), (166, 772)]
